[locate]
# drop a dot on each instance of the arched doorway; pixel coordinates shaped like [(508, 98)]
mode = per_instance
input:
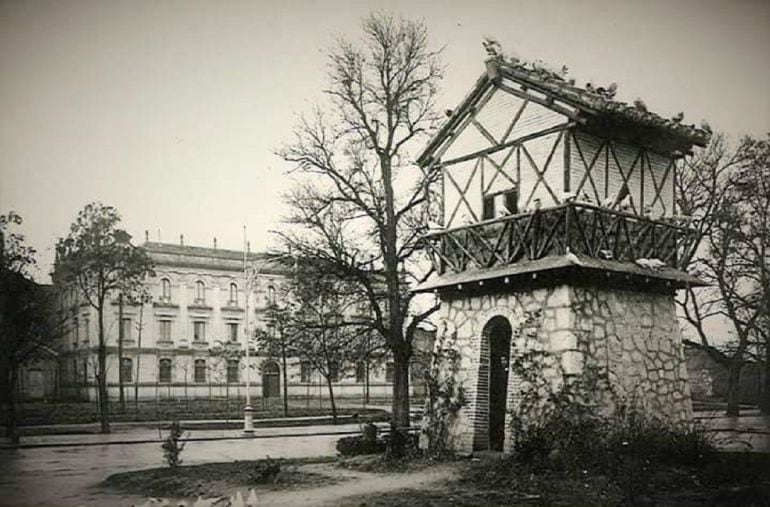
[(493, 384), (271, 380)]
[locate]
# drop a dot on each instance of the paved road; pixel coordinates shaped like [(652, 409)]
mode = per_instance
[(67, 476)]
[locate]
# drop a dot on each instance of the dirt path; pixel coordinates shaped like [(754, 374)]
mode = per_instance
[(357, 483)]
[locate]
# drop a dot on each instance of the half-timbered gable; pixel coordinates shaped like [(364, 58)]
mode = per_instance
[(535, 167)]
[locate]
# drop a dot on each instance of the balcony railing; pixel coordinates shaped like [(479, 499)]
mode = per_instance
[(578, 228)]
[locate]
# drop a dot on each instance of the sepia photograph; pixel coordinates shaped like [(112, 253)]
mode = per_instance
[(385, 253)]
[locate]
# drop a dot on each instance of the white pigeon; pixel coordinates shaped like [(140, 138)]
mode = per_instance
[(606, 254), (574, 259), (653, 264)]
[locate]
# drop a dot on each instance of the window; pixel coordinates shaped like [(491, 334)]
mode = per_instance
[(389, 372), (199, 331), (85, 372), (305, 372), (164, 371), (127, 369), (165, 290), (334, 372), (232, 371), (271, 330), (489, 207), (361, 368), (233, 294), (76, 332), (232, 331), (165, 330), (200, 371), (511, 199), (200, 292), (75, 370), (125, 325), (270, 295), (86, 331)]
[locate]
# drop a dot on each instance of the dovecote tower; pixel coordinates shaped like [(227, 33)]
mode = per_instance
[(560, 232)]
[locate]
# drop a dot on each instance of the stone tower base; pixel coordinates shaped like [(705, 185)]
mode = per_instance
[(632, 337)]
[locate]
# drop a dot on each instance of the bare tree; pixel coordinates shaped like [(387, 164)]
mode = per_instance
[(725, 193), (359, 206), (98, 259)]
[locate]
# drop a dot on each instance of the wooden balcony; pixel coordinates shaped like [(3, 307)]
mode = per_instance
[(575, 230)]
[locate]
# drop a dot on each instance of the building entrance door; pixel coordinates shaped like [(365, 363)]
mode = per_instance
[(36, 384), (499, 335), (271, 380)]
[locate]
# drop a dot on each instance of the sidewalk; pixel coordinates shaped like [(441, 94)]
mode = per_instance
[(143, 435), (120, 426)]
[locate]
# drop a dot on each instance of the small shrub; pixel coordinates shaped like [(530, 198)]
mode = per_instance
[(172, 446), (357, 445), (266, 470)]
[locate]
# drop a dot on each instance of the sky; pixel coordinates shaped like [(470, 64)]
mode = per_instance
[(171, 111)]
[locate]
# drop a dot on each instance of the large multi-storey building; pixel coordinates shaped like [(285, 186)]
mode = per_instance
[(188, 339)]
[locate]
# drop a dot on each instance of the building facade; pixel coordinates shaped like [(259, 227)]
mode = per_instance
[(187, 340)]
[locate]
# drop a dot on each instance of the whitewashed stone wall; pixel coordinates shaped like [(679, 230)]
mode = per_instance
[(632, 336)]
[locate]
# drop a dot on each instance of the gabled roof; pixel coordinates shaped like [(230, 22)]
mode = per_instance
[(595, 107)]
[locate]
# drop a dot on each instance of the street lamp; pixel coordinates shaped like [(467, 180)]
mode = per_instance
[(251, 272)]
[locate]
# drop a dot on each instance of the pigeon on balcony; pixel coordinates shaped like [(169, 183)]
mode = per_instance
[(606, 254), (574, 259), (652, 264)]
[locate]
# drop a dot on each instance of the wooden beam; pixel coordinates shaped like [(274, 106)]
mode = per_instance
[(462, 195), (588, 176), (470, 113), (626, 176), (567, 161), (514, 121), (508, 144), (541, 173), (484, 131), (543, 102)]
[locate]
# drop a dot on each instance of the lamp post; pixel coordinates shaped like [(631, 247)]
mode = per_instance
[(251, 272)]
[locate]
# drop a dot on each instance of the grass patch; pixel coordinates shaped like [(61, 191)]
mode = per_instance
[(218, 479)]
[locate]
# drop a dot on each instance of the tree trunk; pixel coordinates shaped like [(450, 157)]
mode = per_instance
[(366, 379), (400, 417), (285, 377), (764, 403), (398, 345), (138, 357), (104, 410), (734, 388), (331, 398), (122, 395), (12, 422)]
